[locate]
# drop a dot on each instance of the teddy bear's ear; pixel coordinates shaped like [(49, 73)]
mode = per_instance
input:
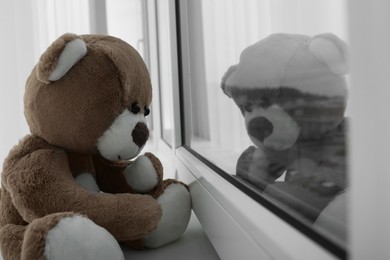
[(226, 78), (332, 51), (60, 57)]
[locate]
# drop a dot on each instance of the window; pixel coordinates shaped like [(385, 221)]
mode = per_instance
[(165, 70), (226, 126)]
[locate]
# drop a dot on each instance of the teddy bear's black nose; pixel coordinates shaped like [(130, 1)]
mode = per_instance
[(260, 128), (140, 134)]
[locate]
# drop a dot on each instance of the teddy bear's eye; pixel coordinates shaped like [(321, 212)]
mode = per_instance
[(146, 111), (135, 108), (265, 102), (248, 108), (298, 112)]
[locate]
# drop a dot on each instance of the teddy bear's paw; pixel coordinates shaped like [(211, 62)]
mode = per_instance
[(144, 173), (175, 202), (77, 237)]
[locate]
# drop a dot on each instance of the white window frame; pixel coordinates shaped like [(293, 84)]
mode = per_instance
[(159, 146), (97, 16), (370, 65)]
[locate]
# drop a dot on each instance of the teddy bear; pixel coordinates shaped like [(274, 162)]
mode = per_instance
[(77, 186), (291, 90)]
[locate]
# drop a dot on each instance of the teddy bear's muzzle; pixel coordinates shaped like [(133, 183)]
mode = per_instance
[(140, 134)]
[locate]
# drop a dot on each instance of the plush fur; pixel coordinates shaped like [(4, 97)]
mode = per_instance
[(291, 90), (62, 169)]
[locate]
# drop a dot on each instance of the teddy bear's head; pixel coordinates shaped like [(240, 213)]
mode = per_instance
[(289, 87), (90, 93)]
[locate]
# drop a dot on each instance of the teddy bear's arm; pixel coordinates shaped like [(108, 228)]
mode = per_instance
[(41, 183), (144, 173), (87, 181), (82, 169), (139, 176), (256, 167)]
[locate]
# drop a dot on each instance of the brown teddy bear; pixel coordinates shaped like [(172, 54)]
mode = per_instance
[(69, 190)]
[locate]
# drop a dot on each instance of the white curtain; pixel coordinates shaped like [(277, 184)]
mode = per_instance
[(27, 28)]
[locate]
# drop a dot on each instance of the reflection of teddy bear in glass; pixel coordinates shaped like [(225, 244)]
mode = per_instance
[(291, 90)]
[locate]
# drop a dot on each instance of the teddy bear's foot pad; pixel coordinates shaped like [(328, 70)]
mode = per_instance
[(176, 212), (77, 237)]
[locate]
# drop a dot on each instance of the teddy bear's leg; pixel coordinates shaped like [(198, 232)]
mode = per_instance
[(145, 173), (175, 202), (260, 168), (64, 236), (11, 240)]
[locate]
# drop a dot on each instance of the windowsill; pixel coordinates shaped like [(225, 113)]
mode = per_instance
[(229, 216), (193, 245)]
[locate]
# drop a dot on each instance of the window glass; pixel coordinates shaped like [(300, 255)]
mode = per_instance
[(165, 70), (266, 98)]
